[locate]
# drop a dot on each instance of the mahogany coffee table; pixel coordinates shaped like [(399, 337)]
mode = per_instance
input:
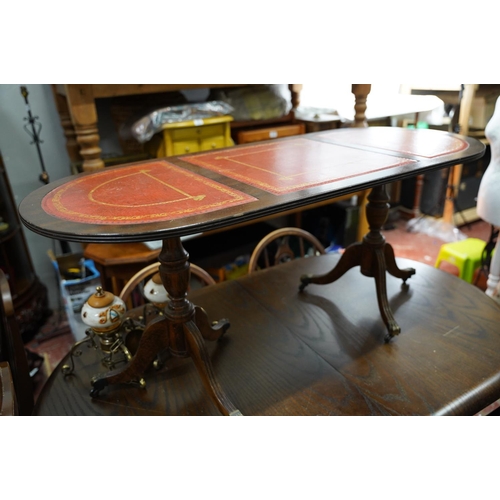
[(164, 199)]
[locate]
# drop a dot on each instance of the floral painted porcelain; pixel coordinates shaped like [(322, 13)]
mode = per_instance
[(103, 311)]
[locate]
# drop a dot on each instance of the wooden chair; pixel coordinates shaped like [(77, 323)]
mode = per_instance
[(197, 274), (117, 263), (16, 386), (283, 248)]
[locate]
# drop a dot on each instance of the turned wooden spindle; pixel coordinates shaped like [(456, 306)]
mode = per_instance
[(377, 211), (174, 272), (295, 89), (360, 91), (67, 125), (84, 116), (88, 140)]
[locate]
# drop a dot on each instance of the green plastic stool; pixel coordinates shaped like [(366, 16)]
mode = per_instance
[(465, 254)]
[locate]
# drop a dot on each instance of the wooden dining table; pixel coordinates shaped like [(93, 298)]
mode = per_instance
[(320, 352), (165, 199)]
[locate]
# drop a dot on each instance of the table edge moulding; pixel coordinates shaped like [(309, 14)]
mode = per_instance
[(173, 197)]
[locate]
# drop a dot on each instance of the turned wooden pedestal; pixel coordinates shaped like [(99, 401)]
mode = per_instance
[(374, 256), (180, 332)]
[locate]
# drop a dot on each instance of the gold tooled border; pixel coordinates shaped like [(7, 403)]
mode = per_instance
[(61, 211)]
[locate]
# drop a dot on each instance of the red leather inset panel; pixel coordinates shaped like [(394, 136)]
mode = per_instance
[(292, 165), (138, 194), (425, 143)]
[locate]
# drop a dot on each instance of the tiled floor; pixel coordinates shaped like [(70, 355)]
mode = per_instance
[(55, 339), (424, 248)]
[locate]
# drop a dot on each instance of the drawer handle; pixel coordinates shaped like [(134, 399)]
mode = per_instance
[(186, 149)]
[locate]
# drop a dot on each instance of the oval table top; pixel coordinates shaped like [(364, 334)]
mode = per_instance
[(179, 196)]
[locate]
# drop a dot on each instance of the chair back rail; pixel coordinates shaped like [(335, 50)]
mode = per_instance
[(284, 251)]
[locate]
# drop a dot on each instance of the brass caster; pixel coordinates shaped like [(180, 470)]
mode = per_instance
[(394, 330)]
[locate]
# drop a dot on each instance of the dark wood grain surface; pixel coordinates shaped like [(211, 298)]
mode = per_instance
[(339, 162), (319, 352)]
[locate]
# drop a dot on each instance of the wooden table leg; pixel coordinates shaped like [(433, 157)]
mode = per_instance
[(67, 125), (374, 256), (84, 116), (360, 91), (180, 332)]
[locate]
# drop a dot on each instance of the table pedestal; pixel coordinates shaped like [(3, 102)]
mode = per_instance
[(180, 332), (373, 255)]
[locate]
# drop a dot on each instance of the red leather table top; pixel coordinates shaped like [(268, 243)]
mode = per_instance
[(139, 194), (297, 164), (425, 143), (183, 195)]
